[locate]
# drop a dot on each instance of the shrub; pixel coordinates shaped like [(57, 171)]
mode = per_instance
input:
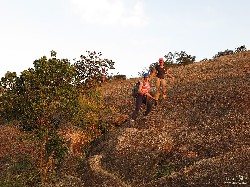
[(119, 77)]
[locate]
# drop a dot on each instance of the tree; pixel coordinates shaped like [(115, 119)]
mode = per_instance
[(89, 69), (224, 53), (46, 96), (240, 49), (170, 58), (41, 99), (230, 52), (183, 58), (8, 97)]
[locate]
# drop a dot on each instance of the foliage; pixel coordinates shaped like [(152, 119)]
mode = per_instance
[(165, 168), (224, 53), (170, 58), (44, 97), (119, 77), (183, 58), (240, 49), (21, 173), (230, 52), (41, 98), (8, 96), (90, 69), (204, 60), (91, 113)]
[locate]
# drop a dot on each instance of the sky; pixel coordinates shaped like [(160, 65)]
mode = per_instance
[(132, 33)]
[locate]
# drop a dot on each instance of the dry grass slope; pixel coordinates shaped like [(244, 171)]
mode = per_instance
[(199, 136)]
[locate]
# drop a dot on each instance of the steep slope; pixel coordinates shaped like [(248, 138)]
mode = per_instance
[(198, 136)]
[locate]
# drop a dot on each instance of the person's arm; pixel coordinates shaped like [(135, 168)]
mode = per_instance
[(169, 75), (152, 74), (149, 95)]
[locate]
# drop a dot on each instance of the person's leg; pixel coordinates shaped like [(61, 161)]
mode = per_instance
[(158, 88), (137, 106), (149, 104), (164, 88)]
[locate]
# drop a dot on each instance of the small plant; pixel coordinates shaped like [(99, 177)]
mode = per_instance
[(165, 168)]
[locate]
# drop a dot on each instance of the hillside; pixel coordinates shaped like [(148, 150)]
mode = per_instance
[(199, 136)]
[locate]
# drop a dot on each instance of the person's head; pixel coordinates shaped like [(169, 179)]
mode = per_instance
[(161, 60), (146, 76)]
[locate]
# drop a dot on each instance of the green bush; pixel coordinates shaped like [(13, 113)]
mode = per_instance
[(41, 99)]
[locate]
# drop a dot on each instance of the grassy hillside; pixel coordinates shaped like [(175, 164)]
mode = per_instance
[(198, 136)]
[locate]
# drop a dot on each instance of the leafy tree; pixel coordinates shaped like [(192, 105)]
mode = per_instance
[(8, 108), (89, 69), (183, 58), (240, 49), (41, 98), (44, 97), (170, 58), (224, 53)]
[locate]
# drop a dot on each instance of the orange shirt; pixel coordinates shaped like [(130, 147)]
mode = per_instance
[(145, 87)]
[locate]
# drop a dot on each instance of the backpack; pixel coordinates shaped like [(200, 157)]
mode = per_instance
[(135, 89)]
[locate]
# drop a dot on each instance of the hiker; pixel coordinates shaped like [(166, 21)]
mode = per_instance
[(143, 96), (161, 71)]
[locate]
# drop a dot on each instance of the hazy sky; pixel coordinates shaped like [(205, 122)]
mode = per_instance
[(133, 33)]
